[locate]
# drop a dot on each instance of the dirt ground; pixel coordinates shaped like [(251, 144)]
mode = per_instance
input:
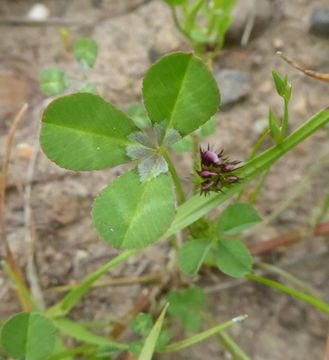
[(130, 35)]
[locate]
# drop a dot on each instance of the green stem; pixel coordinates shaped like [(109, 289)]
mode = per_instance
[(307, 298), (177, 24), (254, 195), (25, 292), (195, 159), (258, 143), (285, 119), (201, 336), (228, 342), (252, 155), (198, 206), (300, 188), (174, 175), (289, 277), (231, 346), (76, 351)]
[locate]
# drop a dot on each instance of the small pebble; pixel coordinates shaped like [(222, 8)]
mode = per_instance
[(25, 151), (277, 44), (38, 12), (319, 21), (234, 86), (260, 126)]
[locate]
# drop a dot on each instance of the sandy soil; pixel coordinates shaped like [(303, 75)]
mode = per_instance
[(130, 35)]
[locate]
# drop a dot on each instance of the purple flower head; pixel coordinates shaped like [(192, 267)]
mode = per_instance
[(233, 179), (229, 166), (217, 169), (209, 157), (206, 174), (206, 185)]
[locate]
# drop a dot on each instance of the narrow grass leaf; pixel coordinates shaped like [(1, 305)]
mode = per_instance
[(79, 332), (152, 338), (201, 336)]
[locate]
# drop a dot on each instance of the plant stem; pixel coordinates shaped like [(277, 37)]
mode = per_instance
[(155, 277), (68, 353), (300, 188), (227, 341), (234, 349), (252, 155), (289, 277), (285, 119), (258, 143), (174, 175), (195, 159), (201, 336), (307, 298), (254, 194), (198, 206), (177, 24), (3, 181)]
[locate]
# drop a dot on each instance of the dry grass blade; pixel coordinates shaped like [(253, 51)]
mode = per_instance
[(313, 74), (9, 255), (326, 354), (30, 230)]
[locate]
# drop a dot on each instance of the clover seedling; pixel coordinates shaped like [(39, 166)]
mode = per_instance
[(142, 325), (188, 305), (204, 23), (55, 82)]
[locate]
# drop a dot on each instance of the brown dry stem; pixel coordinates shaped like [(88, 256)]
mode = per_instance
[(313, 74), (9, 255)]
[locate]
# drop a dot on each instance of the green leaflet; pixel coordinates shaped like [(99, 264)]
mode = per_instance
[(181, 90), (236, 218), (132, 214), (28, 335), (84, 132), (192, 254), (233, 258)]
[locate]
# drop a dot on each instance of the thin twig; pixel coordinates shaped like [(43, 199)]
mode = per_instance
[(23, 21), (248, 30), (300, 188), (9, 255), (124, 281), (313, 74), (285, 240), (30, 230), (326, 354)]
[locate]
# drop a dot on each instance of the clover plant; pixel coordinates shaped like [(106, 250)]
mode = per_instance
[(55, 81), (148, 204), (203, 23)]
